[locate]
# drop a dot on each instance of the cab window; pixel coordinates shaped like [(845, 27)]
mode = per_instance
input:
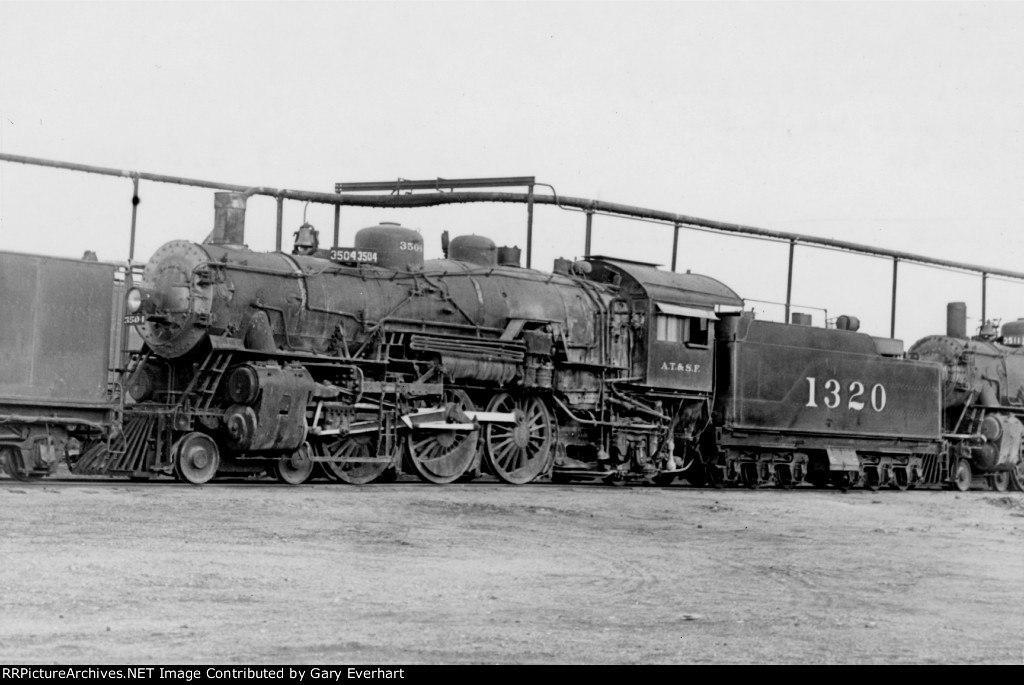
[(682, 329)]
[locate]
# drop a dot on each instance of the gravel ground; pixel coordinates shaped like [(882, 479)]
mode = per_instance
[(101, 572)]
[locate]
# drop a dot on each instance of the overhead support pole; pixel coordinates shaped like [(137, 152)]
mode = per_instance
[(675, 245), (135, 209), (280, 220), (529, 228), (129, 277), (892, 309), (337, 225), (586, 243), (789, 278), (984, 304)]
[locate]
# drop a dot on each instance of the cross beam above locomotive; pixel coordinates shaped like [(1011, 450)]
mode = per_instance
[(380, 362)]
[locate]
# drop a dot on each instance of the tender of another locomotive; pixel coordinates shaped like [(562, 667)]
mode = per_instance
[(56, 347), (380, 362)]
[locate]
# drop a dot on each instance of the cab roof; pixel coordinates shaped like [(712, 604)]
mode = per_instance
[(638, 280)]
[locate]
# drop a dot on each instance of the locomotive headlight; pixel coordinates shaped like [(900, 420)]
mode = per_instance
[(133, 300)]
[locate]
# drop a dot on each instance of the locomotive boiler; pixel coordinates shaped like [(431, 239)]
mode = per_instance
[(983, 399), (380, 361)]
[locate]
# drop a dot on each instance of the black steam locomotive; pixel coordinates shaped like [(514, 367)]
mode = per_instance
[(370, 361)]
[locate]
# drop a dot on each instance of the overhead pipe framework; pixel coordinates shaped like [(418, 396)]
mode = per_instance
[(401, 196)]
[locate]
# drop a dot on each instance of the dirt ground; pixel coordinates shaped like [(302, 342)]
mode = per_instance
[(99, 572)]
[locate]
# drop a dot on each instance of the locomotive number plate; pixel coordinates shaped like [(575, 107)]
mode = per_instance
[(134, 319), (350, 255)]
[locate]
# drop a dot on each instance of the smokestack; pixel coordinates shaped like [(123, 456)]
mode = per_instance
[(956, 320), (229, 219)]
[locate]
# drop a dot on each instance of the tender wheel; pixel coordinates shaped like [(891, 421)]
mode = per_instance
[(784, 477), (518, 453), (749, 476), (296, 468), (360, 463), (197, 458), (872, 481), (1017, 476), (441, 456), (900, 479), (962, 475), (1000, 482)]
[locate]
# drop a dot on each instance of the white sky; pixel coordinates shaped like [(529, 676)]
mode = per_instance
[(893, 124)]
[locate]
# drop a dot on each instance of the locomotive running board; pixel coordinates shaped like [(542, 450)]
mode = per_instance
[(491, 416), (434, 419)]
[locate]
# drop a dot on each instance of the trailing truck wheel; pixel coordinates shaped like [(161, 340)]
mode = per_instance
[(1017, 477), (296, 468), (197, 458), (518, 453), (962, 475), (441, 456), (12, 460), (1000, 482), (696, 475), (359, 462)]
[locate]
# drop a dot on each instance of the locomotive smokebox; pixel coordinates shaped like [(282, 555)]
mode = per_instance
[(956, 320), (228, 220)]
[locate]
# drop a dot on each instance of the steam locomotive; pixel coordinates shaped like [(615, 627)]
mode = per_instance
[(370, 361)]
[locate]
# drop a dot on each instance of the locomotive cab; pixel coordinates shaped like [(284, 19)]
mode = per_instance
[(672, 322)]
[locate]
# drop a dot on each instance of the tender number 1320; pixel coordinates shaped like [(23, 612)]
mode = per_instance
[(855, 397)]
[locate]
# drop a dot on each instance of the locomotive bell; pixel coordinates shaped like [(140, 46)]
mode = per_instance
[(307, 240)]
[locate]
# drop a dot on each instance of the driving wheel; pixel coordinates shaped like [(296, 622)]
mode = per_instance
[(440, 456), (518, 452), (358, 459)]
